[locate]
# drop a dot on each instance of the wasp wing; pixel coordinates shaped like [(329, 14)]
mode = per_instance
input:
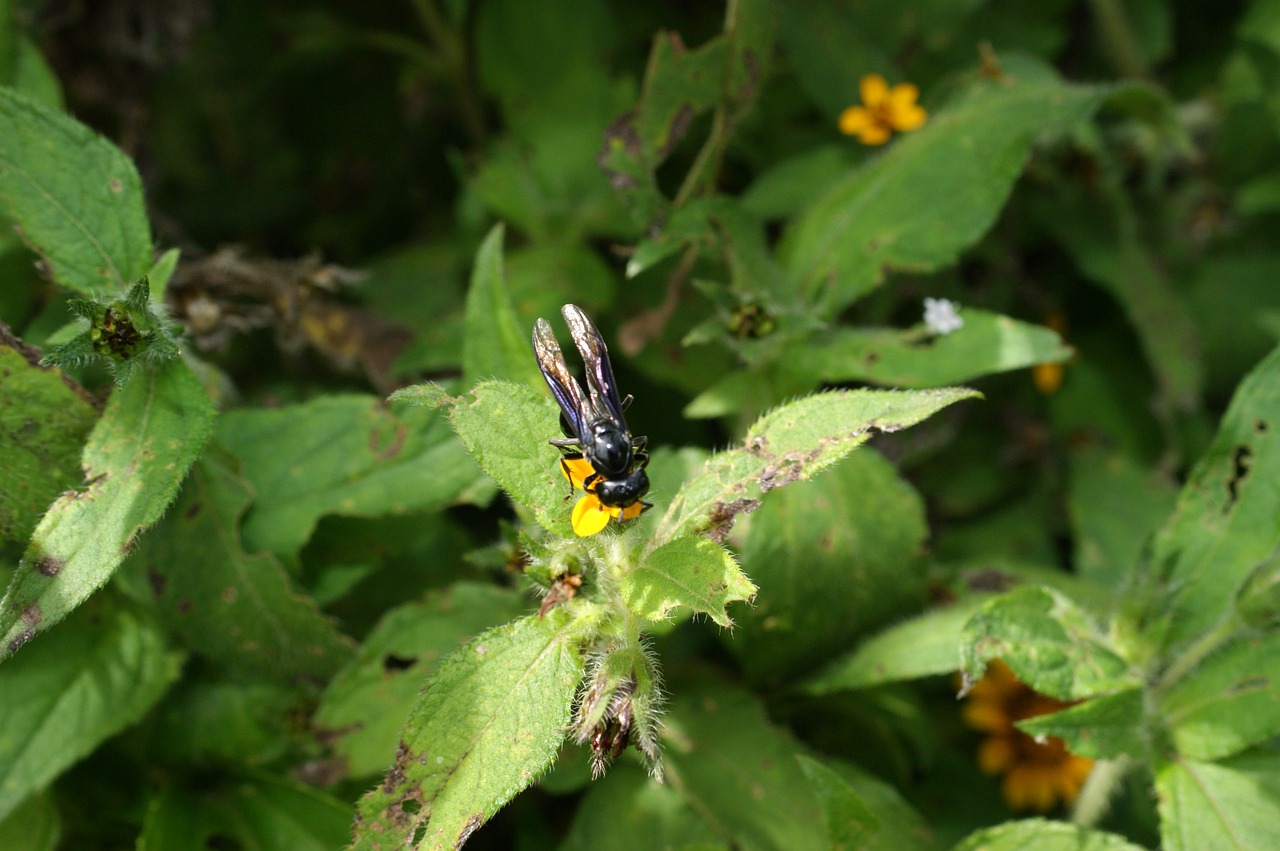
[(563, 385), (595, 356)]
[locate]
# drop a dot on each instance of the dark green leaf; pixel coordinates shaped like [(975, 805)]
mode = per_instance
[(489, 721), (850, 822), (1103, 727), (494, 345), (68, 692), (137, 455), (34, 826), (77, 198), (365, 706)]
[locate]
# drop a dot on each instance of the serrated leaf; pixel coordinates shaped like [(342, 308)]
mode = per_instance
[(924, 646), (1044, 835), (257, 811), (494, 345), (911, 208), (237, 609), (693, 572), (363, 710), (1229, 702), (1102, 728), (76, 197), (792, 443), (44, 418), (838, 558), (489, 721), (1050, 643), (505, 427), (1230, 806), (987, 343), (1227, 518), (138, 453), (68, 692), (341, 454), (850, 822)]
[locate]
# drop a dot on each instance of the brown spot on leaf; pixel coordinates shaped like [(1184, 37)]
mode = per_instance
[(193, 510), (31, 615), (723, 514), (157, 581), (116, 185), (49, 566), (183, 606), (472, 825)]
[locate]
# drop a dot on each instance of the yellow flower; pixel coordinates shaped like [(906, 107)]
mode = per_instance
[(1036, 776), (591, 515), (883, 110)]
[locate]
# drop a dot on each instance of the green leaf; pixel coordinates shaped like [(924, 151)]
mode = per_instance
[(258, 811), (137, 455), (505, 427), (988, 343), (494, 345), (693, 572), (790, 444), (1051, 644), (1229, 703), (911, 208), (655, 815), (924, 646), (364, 707), (1044, 835), (850, 822), (236, 609), (1103, 728), (340, 454), (489, 721), (67, 693), (721, 751), (44, 417), (838, 557), (1115, 506), (76, 197), (33, 826), (1231, 806), (1227, 518)]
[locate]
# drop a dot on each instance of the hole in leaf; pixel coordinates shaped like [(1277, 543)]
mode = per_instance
[(1240, 463), (392, 662)]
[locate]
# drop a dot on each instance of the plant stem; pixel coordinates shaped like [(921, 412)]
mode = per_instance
[(1095, 796), (1118, 38)]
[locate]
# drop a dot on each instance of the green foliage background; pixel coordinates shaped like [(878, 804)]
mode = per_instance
[(283, 590)]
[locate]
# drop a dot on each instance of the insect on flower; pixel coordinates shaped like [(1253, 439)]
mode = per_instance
[(609, 462)]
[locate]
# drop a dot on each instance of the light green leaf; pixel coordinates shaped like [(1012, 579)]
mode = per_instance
[(1103, 727), (1230, 806), (924, 646), (137, 455), (494, 345), (912, 208), (505, 427), (790, 444), (1227, 518), (839, 558), (44, 417), (693, 572), (1229, 703), (237, 609), (76, 197), (68, 692), (341, 454), (1044, 835), (850, 822), (363, 710), (1051, 644), (489, 721), (988, 343), (260, 811)]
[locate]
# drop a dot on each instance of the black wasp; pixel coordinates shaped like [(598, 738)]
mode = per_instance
[(593, 422)]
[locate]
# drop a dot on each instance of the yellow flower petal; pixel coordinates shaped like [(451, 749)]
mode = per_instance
[(589, 516), (576, 470), (874, 134), (873, 89), (907, 118), (854, 120), (631, 512)]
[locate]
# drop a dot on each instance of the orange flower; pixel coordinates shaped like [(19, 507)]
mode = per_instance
[(1036, 776), (883, 110), (1048, 376), (591, 515)]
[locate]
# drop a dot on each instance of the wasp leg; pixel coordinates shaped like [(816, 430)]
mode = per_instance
[(563, 441), (639, 442)]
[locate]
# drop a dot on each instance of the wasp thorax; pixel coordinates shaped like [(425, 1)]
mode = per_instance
[(610, 449)]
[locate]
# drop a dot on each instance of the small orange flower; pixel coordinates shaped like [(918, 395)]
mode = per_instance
[(591, 515), (883, 110), (1048, 376), (1036, 776)]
